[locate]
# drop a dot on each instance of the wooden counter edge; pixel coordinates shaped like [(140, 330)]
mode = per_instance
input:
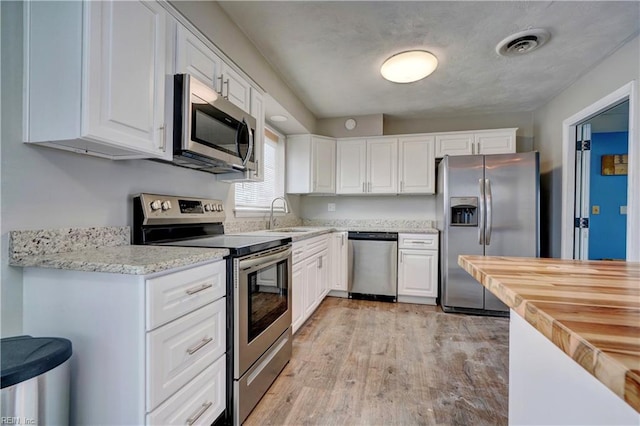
[(626, 384)]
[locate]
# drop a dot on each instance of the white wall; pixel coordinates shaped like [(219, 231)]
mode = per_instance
[(366, 125), (615, 71), (410, 207)]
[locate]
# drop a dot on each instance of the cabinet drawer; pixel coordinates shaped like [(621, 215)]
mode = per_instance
[(418, 241), (178, 351), (173, 295), (200, 402)]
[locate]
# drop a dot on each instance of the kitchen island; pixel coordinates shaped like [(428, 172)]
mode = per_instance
[(574, 349)]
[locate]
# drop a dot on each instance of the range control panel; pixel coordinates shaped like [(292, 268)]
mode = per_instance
[(175, 209)]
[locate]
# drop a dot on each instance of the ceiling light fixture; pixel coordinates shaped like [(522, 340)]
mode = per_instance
[(278, 118), (409, 66)]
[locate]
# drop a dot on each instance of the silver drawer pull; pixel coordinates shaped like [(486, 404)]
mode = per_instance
[(198, 289), (191, 420), (199, 346)]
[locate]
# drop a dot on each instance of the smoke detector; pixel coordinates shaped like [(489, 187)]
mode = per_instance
[(523, 42)]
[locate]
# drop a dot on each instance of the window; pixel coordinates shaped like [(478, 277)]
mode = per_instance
[(253, 198)]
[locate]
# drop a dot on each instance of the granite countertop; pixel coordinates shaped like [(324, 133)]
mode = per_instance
[(588, 309), (99, 249), (304, 232), (132, 260)]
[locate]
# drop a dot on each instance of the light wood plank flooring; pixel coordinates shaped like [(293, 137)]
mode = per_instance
[(358, 362)]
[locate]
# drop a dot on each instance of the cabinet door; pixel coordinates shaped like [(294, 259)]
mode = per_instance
[(126, 74), (382, 166), (339, 262), (311, 295), (324, 275), (454, 144), (194, 57), (235, 88), (323, 156), (298, 286), (417, 273), (351, 169), (417, 165), (496, 142), (257, 112)]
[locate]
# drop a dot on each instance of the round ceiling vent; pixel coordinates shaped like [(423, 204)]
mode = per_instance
[(522, 42)]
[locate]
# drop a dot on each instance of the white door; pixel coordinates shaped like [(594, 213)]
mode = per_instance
[(298, 285), (581, 207), (417, 165), (324, 165), (196, 58), (454, 144), (235, 88), (417, 273), (495, 142), (352, 166), (126, 74), (382, 166)]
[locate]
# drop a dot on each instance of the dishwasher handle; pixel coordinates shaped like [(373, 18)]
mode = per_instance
[(373, 236)]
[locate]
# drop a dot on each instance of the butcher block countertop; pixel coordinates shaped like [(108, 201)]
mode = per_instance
[(588, 309)]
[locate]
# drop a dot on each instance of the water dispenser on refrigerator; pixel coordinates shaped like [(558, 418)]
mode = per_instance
[(464, 211)]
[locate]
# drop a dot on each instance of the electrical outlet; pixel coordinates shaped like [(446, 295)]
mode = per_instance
[(623, 209), (331, 207), (595, 209)]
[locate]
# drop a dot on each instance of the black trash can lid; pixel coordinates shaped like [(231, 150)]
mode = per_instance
[(25, 357)]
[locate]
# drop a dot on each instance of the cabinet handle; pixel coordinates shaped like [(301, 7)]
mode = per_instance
[(191, 420), (227, 83), (369, 187), (199, 346), (320, 262), (221, 78), (198, 289), (401, 186), (401, 256), (363, 190)]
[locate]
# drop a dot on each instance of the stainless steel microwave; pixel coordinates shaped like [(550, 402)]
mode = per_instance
[(209, 132)]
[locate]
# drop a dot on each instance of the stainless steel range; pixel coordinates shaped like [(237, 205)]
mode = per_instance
[(258, 289)]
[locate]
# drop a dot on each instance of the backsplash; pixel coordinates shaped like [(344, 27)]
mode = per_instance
[(370, 223), (235, 226), (49, 241)]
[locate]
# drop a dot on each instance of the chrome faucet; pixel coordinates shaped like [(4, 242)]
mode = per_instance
[(286, 210)]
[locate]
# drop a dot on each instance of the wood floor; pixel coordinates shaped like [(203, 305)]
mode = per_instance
[(357, 362)]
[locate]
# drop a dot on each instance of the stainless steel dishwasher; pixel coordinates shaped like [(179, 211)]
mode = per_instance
[(373, 265)]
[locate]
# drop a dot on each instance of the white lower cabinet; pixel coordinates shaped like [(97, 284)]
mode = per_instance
[(146, 349), (310, 276), (418, 268), (339, 268)]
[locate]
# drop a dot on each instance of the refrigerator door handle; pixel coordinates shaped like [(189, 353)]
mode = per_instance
[(489, 199), (481, 219)]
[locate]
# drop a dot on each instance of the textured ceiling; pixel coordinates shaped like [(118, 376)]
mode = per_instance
[(330, 53)]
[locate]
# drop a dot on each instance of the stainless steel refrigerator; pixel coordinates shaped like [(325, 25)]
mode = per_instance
[(487, 205)]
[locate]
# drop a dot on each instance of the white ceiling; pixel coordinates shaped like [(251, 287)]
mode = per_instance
[(330, 53)]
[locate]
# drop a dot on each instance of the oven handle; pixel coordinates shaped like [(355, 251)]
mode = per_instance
[(259, 262)]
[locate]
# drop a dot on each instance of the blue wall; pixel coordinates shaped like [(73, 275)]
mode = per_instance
[(607, 230)]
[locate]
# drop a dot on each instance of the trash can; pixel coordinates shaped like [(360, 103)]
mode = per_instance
[(35, 380)]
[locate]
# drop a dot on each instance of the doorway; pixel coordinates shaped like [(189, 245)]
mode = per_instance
[(601, 186), (570, 203)]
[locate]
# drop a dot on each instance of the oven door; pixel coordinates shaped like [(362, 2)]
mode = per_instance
[(262, 304)]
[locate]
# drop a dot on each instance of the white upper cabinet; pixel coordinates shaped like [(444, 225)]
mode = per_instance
[(499, 141), (311, 164), (416, 165), (235, 88), (95, 77), (257, 111), (352, 166), (194, 57), (367, 166)]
